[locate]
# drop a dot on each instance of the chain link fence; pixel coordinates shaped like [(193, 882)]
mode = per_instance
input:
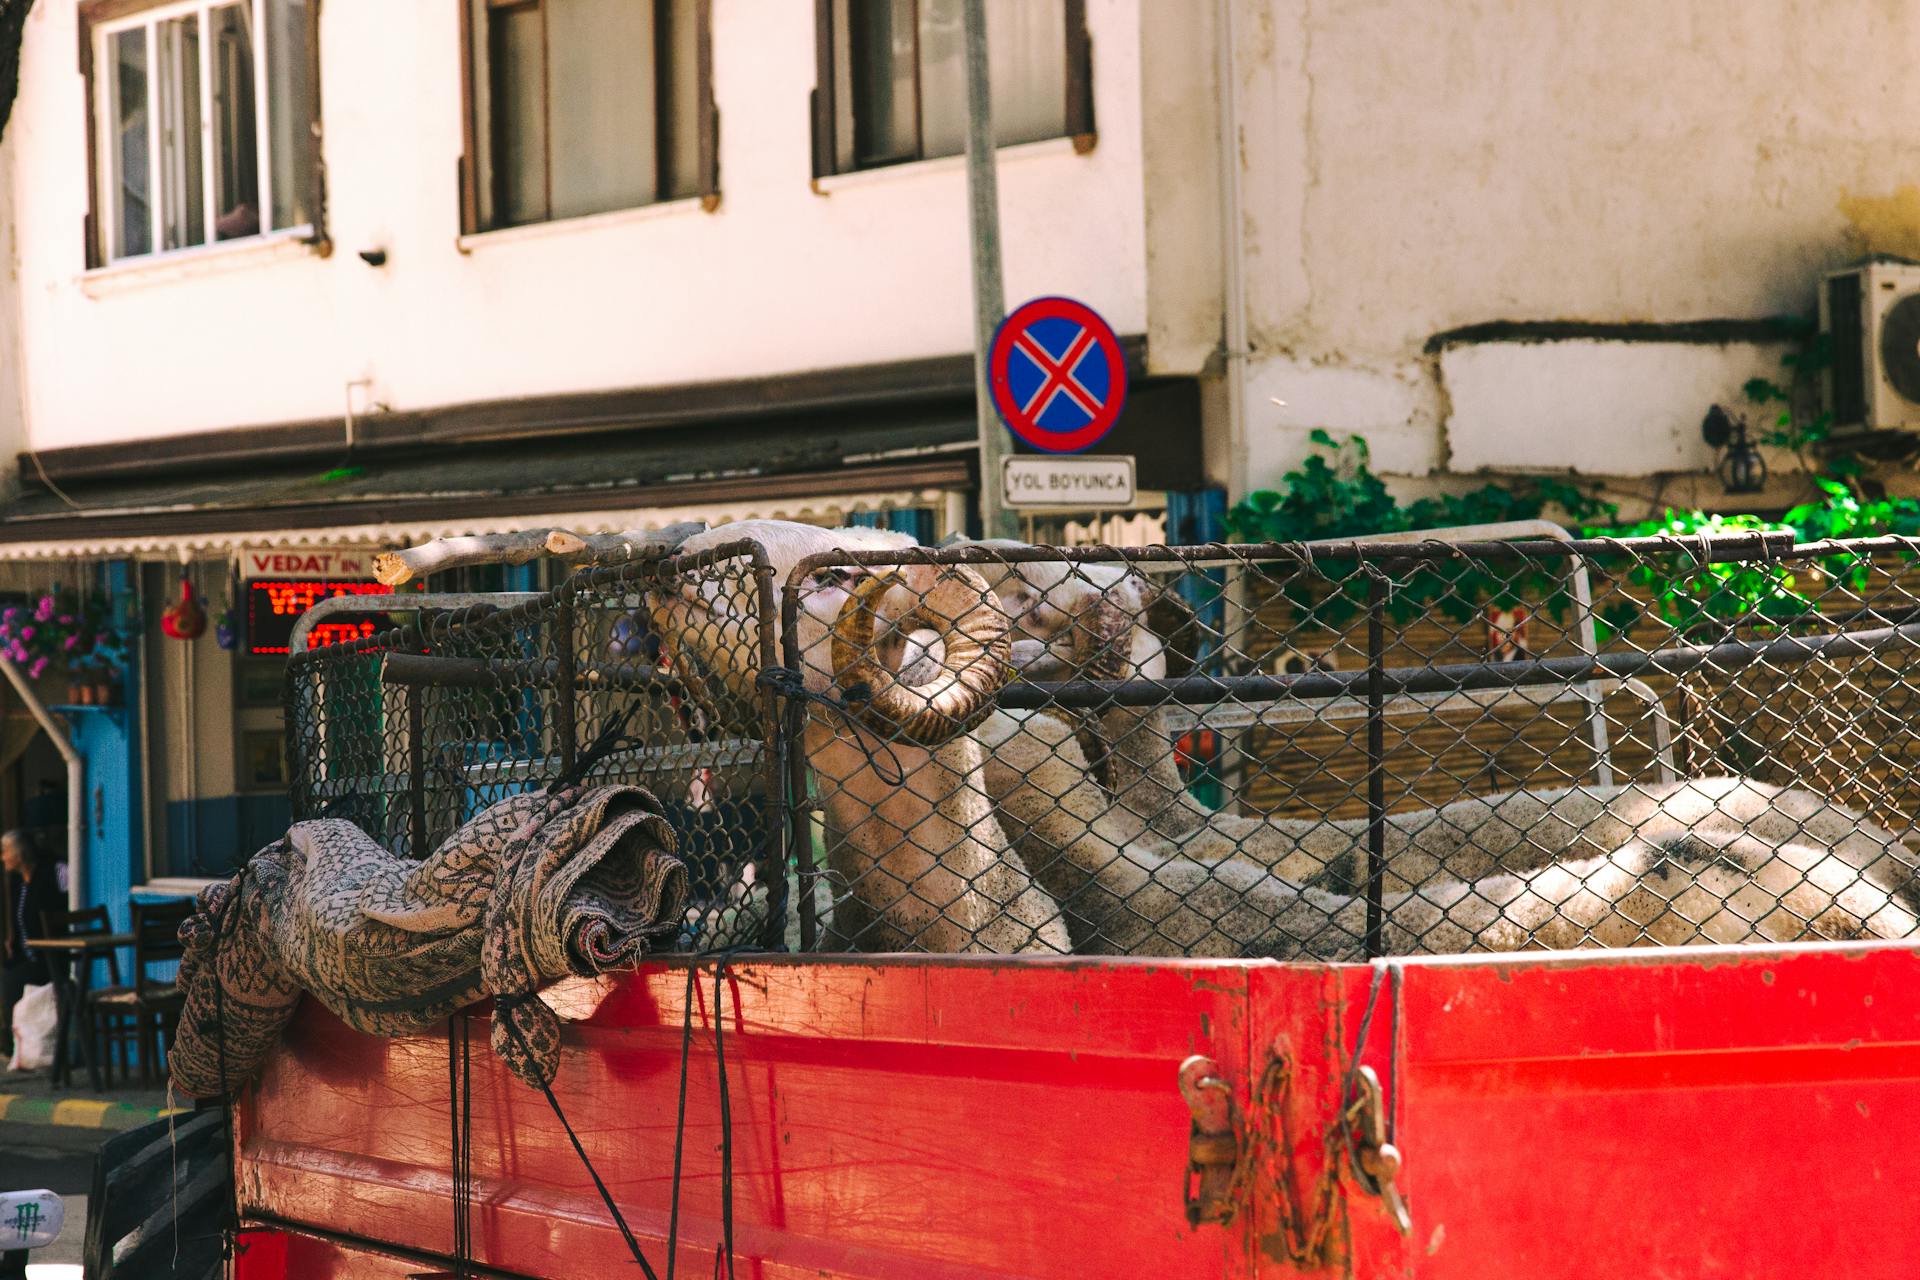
[(411, 732), (1325, 751)]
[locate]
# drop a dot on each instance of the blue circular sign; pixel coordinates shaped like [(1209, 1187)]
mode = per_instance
[(1057, 375)]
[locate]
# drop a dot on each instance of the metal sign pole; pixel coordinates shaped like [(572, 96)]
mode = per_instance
[(989, 297)]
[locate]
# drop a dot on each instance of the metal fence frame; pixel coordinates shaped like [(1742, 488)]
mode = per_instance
[(1376, 693)]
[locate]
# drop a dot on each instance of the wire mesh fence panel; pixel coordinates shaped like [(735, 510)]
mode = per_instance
[(1326, 751), (1335, 751), (413, 732)]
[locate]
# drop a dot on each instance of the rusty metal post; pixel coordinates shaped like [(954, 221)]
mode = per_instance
[(1376, 761), (417, 771), (773, 860), (793, 744), (564, 710)]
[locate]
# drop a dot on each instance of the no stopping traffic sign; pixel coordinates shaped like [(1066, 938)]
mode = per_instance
[(1057, 375)]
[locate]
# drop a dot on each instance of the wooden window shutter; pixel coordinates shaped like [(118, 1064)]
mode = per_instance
[(1080, 125), (709, 113)]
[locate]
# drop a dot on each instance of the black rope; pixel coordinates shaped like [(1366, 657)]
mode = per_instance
[(230, 1246), (792, 684), (460, 1116), (503, 1008), (680, 1126), (605, 743), (726, 1118)]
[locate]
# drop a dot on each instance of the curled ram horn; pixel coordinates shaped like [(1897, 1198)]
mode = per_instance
[(953, 602)]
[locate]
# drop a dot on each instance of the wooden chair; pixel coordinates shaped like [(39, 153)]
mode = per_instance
[(80, 924), (149, 1009)]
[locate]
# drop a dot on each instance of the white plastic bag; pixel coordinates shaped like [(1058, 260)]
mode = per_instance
[(36, 1020)]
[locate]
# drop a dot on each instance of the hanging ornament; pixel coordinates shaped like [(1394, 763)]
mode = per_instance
[(184, 619), (226, 632)]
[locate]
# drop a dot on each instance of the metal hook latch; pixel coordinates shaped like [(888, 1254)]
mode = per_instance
[(1213, 1148), (1379, 1160)]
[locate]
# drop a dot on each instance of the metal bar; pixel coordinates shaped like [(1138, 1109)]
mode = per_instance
[(1715, 549), (1453, 677), (401, 602), (989, 292), (772, 862), (565, 717), (1376, 763), (417, 772), (447, 672), (799, 811)]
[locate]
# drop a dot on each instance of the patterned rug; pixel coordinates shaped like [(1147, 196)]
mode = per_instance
[(536, 888)]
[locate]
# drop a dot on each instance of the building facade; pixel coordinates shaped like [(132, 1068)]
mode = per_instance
[(291, 282)]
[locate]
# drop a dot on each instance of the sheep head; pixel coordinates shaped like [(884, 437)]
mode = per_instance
[(857, 627), (1089, 621)]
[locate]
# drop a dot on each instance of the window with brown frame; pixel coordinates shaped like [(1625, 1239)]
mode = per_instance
[(577, 107), (202, 123), (892, 78)]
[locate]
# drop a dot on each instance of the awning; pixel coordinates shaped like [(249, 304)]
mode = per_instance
[(816, 471)]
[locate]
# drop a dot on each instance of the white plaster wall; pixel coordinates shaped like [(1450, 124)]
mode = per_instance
[(1413, 167), (1594, 407), (779, 279)]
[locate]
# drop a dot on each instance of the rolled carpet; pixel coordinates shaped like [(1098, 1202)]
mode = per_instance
[(535, 888)]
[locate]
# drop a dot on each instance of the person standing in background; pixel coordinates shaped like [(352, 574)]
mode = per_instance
[(32, 889)]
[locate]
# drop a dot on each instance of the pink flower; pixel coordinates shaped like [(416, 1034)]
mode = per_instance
[(17, 651), (38, 669), (43, 610), (70, 643), (65, 619), (26, 633)]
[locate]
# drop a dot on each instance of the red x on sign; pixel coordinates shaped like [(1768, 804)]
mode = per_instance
[(1057, 375)]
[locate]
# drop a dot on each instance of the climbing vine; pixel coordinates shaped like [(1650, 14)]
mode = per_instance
[(1336, 494)]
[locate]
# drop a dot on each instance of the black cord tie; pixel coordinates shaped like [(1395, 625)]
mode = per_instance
[(460, 1113), (609, 740), (504, 1005), (788, 683)]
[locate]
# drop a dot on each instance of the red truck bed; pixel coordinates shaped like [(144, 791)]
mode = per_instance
[(1707, 1112)]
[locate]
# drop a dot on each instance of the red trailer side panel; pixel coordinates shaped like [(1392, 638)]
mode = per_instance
[(1701, 1113)]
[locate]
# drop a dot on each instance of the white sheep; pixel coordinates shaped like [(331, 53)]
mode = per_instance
[(915, 857), (1131, 855)]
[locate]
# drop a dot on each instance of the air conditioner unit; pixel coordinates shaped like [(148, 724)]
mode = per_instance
[(1871, 315)]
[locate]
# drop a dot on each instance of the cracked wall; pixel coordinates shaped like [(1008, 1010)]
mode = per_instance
[(1412, 168)]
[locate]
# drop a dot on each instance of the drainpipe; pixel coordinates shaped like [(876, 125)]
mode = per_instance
[(1233, 253), (76, 784)]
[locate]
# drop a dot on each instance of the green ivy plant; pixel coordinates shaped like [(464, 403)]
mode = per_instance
[(1336, 494)]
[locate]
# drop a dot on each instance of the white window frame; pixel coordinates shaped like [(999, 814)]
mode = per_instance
[(108, 218)]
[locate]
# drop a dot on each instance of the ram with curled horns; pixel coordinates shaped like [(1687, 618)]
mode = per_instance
[(1095, 803)]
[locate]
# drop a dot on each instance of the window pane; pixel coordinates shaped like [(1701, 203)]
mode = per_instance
[(882, 34), (1026, 64), (183, 208), (679, 132), (290, 106), (236, 147), (601, 96), (943, 79), (127, 112), (518, 60)]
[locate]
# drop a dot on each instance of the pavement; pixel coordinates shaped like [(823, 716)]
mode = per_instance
[(58, 1158), (29, 1098), (47, 1140)]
